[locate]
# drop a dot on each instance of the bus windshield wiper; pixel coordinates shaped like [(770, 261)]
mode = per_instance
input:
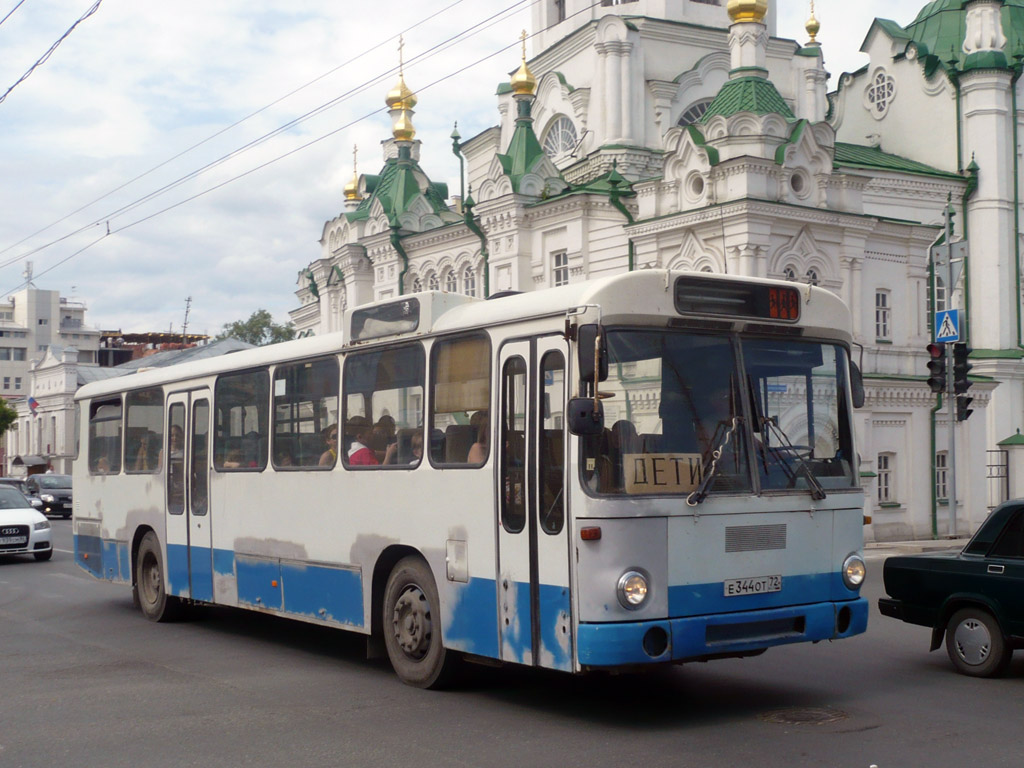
[(710, 465), (817, 492)]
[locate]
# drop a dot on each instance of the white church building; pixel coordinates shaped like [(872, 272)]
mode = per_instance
[(685, 134)]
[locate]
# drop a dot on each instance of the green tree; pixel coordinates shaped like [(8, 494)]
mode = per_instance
[(259, 329), (7, 416)]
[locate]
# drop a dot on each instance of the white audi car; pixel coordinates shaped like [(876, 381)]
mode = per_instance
[(23, 530)]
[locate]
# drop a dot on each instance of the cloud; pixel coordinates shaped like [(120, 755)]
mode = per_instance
[(139, 82)]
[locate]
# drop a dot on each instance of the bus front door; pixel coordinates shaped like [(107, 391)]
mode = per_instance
[(533, 556), (186, 473)]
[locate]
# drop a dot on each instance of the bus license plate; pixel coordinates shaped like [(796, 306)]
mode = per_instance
[(13, 540), (756, 586)]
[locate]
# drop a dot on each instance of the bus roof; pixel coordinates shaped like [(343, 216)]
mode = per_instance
[(645, 296)]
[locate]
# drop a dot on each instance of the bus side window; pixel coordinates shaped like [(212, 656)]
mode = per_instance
[(460, 385), (305, 408), (144, 433), (552, 446), (383, 397), (241, 416), (105, 437)]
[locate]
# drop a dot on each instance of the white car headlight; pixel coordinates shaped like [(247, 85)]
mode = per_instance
[(48, 498), (42, 525), (632, 589), (854, 571)]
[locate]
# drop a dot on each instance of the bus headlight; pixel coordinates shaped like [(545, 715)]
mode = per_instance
[(632, 589), (854, 571)]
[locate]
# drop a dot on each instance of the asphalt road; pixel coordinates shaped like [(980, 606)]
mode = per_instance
[(87, 681)]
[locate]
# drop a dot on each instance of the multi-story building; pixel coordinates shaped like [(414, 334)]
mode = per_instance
[(32, 320), (684, 134)]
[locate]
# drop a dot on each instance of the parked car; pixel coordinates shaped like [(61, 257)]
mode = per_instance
[(19, 483), (54, 491), (974, 597), (23, 530)]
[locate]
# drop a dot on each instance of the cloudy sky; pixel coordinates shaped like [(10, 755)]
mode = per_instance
[(176, 127)]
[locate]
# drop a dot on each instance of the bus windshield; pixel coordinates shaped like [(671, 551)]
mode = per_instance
[(775, 411)]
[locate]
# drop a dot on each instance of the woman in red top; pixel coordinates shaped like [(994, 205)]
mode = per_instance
[(359, 452)]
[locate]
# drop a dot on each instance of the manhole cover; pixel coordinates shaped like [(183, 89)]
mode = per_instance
[(804, 716)]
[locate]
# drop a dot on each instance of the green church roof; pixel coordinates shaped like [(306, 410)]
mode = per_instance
[(396, 188), (939, 32), (858, 156), (747, 94)]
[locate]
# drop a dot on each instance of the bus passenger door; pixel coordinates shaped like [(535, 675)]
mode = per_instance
[(186, 484), (533, 561)]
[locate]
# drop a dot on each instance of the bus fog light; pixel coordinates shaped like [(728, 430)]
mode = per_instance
[(632, 589), (854, 571)]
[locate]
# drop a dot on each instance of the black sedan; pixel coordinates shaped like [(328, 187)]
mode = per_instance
[(974, 597), (54, 491)]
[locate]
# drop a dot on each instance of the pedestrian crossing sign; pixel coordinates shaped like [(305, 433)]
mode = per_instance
[(947, 325)]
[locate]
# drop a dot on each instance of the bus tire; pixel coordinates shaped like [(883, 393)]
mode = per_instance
[(411, 618), (150, 592)]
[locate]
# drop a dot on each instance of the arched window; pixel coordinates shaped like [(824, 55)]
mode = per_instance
[(433, 284), (560, 139), (940, 294), (451, 282), (789, 274), (693, 113), (469, 282), (812, 276), (416, 286)]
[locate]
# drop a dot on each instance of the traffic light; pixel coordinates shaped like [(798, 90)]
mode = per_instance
[(960, 367), (937, 367), (963, 412)]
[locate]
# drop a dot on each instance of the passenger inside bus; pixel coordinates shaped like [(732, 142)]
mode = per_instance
[(478, 450), (407, 448), (361, 432), (329, 456)]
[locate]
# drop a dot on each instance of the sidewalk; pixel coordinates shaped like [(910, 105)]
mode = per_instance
[(879, 550)]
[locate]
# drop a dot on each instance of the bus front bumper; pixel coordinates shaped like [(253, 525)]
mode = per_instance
[(697, 638)]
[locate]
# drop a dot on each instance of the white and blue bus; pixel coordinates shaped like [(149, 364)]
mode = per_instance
[(649, 468)]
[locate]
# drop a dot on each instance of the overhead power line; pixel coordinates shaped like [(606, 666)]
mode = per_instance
[(45, 56), (224, 130), (362, 87), (272, 161), (5, 18)]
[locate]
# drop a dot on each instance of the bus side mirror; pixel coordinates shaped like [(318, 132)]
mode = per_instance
[(856, 385), (585, 416), (586, 337)]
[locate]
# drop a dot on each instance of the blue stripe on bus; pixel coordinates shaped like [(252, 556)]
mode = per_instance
[(555, 628), (471, 625), (89, 554), (699, 599), (613, 645), (329, 594)]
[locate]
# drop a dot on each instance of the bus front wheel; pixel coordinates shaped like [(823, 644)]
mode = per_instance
[(150, 591), (411, 618)]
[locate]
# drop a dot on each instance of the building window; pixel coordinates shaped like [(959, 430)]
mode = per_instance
[(417, 286), (560, 268), (43, 321), (882, 329), (17, 382), (560, 139), (451, 282), (941, 474), (886, 468), (940, 294), (693, 113), (469, 282), (433, 284), (789, 273), (879, 94), (559, 11), (7, 382), (812, 276)]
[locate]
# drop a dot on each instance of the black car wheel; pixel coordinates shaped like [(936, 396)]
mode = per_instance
[(975, 643)]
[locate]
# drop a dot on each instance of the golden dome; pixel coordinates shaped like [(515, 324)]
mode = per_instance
[(352, 188), (813, 25), (747, 10), (523, 82), (403, 130), (400, 97)]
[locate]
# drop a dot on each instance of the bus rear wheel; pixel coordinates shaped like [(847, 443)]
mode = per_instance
[(411, 618), (150, 591)]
